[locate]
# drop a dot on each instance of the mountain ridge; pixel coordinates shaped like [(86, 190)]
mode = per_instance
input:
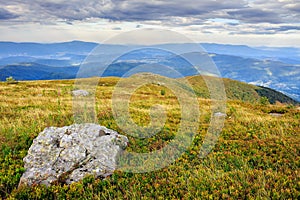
[(239, 62)]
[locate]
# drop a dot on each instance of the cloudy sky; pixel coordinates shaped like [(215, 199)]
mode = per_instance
[(253, 22)]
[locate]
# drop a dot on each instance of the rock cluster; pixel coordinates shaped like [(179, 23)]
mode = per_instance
[(70, 153)]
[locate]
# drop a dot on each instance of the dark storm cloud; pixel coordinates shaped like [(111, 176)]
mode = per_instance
[(158, 10), (67, 10), (285, 28), (263, 30), (252, 15), (280, 15), (141, 10), (5, 14), (136, 10)]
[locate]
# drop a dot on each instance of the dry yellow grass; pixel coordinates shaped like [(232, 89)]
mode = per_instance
[(256, 156)]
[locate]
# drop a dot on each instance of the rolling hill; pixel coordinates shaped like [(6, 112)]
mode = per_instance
[(35, 71), (276, 68), (256, 155)]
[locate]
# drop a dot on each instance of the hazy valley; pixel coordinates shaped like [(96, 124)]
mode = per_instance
[(276, 68)]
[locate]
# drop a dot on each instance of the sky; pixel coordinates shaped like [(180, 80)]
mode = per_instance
[(251, 22)]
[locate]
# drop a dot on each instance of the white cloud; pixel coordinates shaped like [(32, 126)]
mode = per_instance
[(227, 18)]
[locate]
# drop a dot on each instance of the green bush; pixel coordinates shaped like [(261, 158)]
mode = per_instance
[(264, 101), (11, 80)]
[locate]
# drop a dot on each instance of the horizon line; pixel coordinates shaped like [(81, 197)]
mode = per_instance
[(128, 44)]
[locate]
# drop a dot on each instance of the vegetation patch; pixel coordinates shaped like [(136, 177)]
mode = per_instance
[(255, 157)]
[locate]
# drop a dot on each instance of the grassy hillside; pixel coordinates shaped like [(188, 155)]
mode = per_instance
[(236, 90), (256, 156)]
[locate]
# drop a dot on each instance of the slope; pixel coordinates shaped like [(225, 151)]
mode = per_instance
[(256, 155)]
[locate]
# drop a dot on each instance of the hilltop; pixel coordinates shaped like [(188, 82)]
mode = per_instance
[(236, 90), (256, 155)]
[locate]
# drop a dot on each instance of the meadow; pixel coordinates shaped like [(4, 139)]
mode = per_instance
[(257, 155)]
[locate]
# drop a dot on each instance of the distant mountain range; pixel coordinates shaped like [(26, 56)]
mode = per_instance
[(276, 68)]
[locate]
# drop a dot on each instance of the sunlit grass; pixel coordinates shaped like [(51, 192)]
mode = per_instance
[(256, 156)]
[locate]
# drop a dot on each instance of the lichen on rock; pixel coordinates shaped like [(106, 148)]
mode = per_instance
[(70, 153)]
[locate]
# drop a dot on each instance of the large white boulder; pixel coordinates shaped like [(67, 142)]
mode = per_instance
[(70, 153)]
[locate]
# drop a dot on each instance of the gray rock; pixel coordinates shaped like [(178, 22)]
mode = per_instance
[(219, 114), (276, 114), (78, 93), (70, 153)]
